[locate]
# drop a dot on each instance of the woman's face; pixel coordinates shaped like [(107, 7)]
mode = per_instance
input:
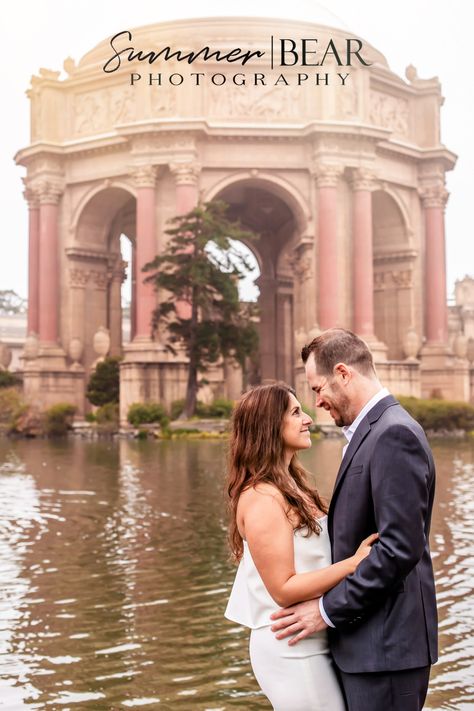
[(295, 427)]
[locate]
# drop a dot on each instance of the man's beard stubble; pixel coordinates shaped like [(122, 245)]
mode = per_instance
[(343, 408)]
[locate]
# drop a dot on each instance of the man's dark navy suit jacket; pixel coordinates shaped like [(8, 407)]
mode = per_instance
[(385, 613)]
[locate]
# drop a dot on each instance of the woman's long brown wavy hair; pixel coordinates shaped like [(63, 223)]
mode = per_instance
[(257, 455)]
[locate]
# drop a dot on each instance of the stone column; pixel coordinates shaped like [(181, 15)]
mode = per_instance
[(33, 260), (329, 288), (268, 327), (146, 248), (48, 320), (434, 200), (116, 275), (133, 304), (186, 177), (362, 254)]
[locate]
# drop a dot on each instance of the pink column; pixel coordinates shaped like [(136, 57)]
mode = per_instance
[(362, 255), (186, 176), (33, 261), (146, 248), (48, 321), (133, 305), (329, 290), (187, 197), (436, 320)]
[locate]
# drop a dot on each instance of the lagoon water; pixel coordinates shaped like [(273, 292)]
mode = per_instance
[(114, 575)]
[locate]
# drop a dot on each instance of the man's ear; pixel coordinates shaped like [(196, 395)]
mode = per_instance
[(343, 371)]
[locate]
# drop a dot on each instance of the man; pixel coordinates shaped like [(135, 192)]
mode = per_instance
[(382, 619)]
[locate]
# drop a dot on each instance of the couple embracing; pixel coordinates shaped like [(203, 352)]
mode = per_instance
[(340, 600)]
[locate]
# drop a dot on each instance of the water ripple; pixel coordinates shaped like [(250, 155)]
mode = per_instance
[(115, 575)]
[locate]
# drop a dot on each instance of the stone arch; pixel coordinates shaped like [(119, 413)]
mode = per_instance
[(394, 257), (261, 204), (95, 266), (279, 186), (92, 192)]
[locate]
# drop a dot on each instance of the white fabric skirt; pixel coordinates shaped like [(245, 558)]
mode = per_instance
[(293, 683)]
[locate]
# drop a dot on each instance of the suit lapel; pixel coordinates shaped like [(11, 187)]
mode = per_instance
[(360, 434), (358, 437)]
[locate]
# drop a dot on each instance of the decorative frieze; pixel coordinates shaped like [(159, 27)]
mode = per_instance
[(262, 104), (394, 279), (81, 277), (390, 112), (300, 261), (97, 111)]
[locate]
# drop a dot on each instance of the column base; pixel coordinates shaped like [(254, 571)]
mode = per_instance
[(47, 380), (442, 374), (401, 377), (378, 349), (150, 373)]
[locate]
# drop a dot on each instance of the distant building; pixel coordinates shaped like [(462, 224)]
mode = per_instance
[(13, 335)]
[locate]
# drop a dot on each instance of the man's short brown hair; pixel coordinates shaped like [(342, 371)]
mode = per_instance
[(338, 345)]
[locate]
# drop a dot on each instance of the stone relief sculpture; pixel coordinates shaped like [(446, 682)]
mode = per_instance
[(89, 112), (122, 105), (97, 111), (231, 101), (347, 100), (163, 101), (390, 112)]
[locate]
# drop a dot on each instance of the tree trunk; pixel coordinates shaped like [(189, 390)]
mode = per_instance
[(192, 386)]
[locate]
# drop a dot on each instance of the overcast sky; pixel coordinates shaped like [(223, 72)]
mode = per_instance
[(432, 35)]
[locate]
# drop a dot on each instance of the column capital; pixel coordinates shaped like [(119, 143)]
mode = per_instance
[(434, 196), (326, 176), (362, 179), (185, 173), (48, 192), (144, 176), (31, 196)]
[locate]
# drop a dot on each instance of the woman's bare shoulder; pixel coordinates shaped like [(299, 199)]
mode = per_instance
[(260, 494)]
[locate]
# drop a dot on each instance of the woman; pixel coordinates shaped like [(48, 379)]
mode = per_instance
[(278, 532)]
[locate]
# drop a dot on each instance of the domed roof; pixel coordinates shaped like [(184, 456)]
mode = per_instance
[(253, 22), (302, 10)]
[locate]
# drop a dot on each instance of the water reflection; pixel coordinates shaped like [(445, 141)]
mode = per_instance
[(115, 576)]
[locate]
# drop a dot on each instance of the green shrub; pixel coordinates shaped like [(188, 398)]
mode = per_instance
[(440, 414), (11, 405), (104, 383), (219, 408), (8, 380), (58, 419), (107, 417), (143, 413), (177, 407)]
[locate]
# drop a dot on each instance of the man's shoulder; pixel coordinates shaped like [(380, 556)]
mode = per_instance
[(397, 420)]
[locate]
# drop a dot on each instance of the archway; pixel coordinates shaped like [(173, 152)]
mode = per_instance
[(97, 269), (394, 256), (261, 210)]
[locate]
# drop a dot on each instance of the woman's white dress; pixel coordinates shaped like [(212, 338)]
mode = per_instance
[(298, 678)]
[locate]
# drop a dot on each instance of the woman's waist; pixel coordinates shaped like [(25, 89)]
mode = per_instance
[(316, 643)]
